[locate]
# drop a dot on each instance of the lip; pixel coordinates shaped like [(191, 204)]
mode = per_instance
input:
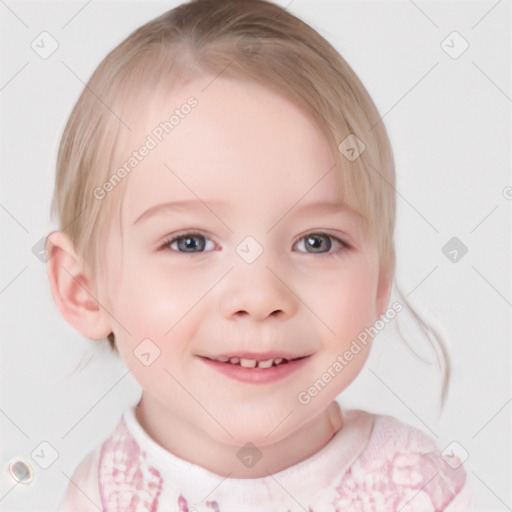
[(257, 375)]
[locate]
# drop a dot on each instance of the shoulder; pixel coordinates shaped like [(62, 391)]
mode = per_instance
[(390, 435), (82, 492), (97, 474), (402, 467)]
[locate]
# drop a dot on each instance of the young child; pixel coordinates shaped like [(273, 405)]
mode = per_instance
[(225, 191)]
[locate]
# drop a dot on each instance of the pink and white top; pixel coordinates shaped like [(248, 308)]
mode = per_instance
[(374, 463)]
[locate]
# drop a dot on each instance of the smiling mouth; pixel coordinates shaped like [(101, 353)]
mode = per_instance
[(254, 363)]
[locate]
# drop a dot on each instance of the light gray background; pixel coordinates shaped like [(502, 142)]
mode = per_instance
[(449, 123)]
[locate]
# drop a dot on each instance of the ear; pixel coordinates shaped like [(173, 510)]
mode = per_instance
[(73, 291)]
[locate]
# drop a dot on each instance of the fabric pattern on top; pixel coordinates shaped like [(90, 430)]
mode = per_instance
[(400, 469)]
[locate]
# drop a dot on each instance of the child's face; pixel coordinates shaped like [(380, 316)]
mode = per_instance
[(259, 177)]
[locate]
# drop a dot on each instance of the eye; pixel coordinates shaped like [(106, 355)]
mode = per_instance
[(193, 242), (321, 243), (186, 243)]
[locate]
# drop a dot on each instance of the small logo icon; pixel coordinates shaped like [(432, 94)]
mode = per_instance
[(39, 251), (249, 249), (454, 249), (45, 45), (454, 45), (146, 352), (249, 45), (351, 147), (249, 455), (44, 455), (455, 454)]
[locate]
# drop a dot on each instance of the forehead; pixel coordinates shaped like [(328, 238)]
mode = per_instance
[(225, 139)]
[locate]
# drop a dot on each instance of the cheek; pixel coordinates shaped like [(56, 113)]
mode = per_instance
[(160, 303), (344, 300)]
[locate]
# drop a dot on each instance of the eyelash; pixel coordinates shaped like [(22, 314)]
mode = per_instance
[(344, 246)]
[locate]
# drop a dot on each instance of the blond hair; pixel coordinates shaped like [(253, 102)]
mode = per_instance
[(246, 39)]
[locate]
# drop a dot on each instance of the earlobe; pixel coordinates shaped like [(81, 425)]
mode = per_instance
[(73, 291)]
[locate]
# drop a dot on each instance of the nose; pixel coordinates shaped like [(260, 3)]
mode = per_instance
[(258, 291)]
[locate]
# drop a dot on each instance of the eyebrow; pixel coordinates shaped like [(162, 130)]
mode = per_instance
[(319, 207)]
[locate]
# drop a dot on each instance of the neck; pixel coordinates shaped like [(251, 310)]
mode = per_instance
[(196, 446)]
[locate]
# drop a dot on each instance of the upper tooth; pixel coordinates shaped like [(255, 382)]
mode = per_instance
[(251, 363), (247, 363)]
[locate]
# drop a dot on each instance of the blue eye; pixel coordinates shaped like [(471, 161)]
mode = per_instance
[(321, 243), (187, 242), (191, 242)]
